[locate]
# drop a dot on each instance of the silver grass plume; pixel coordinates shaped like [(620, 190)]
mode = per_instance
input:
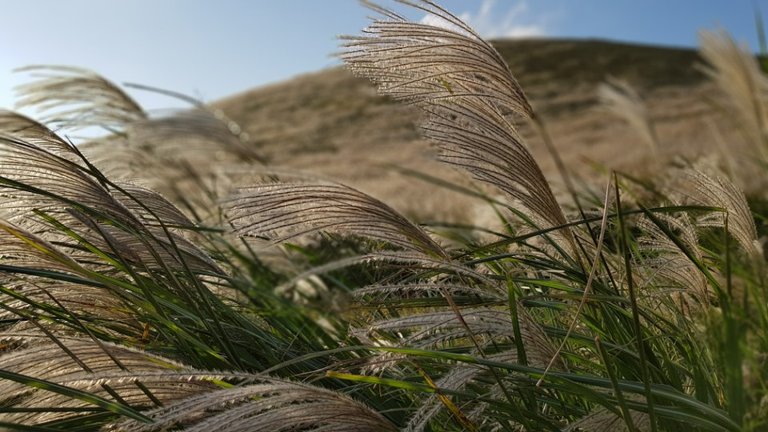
[(188, 398), (603, 420), (270, 405), (456, 379), (76, 98), (37, 181), (700, 188), (24, 164), (411, 260), (26, 252), (737, 74), (183, 155), (162, 211), (465, 90), (199, 133), (96, 304), (23, 249), (620, 99), (282, 211), (203, 123), (28, 130), (85, 365), (438, 328), (663, 264), (163, 149)]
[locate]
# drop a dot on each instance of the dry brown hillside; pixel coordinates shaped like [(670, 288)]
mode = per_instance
[(336, 125)]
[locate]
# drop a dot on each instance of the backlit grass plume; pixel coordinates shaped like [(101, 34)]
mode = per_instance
[(192, 156), (286, 210), (737, 74), (76, 98), (620, 99), (176, 395), (466, 93)]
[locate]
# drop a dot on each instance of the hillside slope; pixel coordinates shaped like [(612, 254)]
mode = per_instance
[(334, 124)]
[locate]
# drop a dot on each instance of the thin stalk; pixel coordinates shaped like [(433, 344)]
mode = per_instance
[(624, 244), (590, 280), (733, 336), (615, 382)]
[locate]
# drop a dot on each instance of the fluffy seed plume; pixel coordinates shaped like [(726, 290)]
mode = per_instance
[(270, 405), (77, 98), (602, 420), (465, 90), (198, 132), (25, 129), (716, 191), (664, 264), (620, 99), (36, 181), (737, 74), (286, 210), (85, 365)]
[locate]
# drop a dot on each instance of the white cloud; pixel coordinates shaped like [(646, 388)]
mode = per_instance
[(521, 31), (436, 21), (490, 23)]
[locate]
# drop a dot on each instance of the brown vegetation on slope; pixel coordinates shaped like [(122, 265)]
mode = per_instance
[(336, 125)]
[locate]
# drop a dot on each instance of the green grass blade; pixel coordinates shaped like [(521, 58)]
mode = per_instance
[(75, 394)]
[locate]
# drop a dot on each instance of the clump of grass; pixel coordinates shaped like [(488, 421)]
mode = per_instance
[(121, 311)]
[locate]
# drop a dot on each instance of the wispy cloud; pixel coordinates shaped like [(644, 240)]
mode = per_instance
[(491, 23)]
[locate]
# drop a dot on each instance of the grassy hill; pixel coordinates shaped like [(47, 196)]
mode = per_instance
[(334, 124)]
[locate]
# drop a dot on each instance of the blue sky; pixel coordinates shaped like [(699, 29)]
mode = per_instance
[(212, 49)]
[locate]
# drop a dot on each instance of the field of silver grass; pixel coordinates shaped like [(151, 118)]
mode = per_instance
[(166, 277)]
